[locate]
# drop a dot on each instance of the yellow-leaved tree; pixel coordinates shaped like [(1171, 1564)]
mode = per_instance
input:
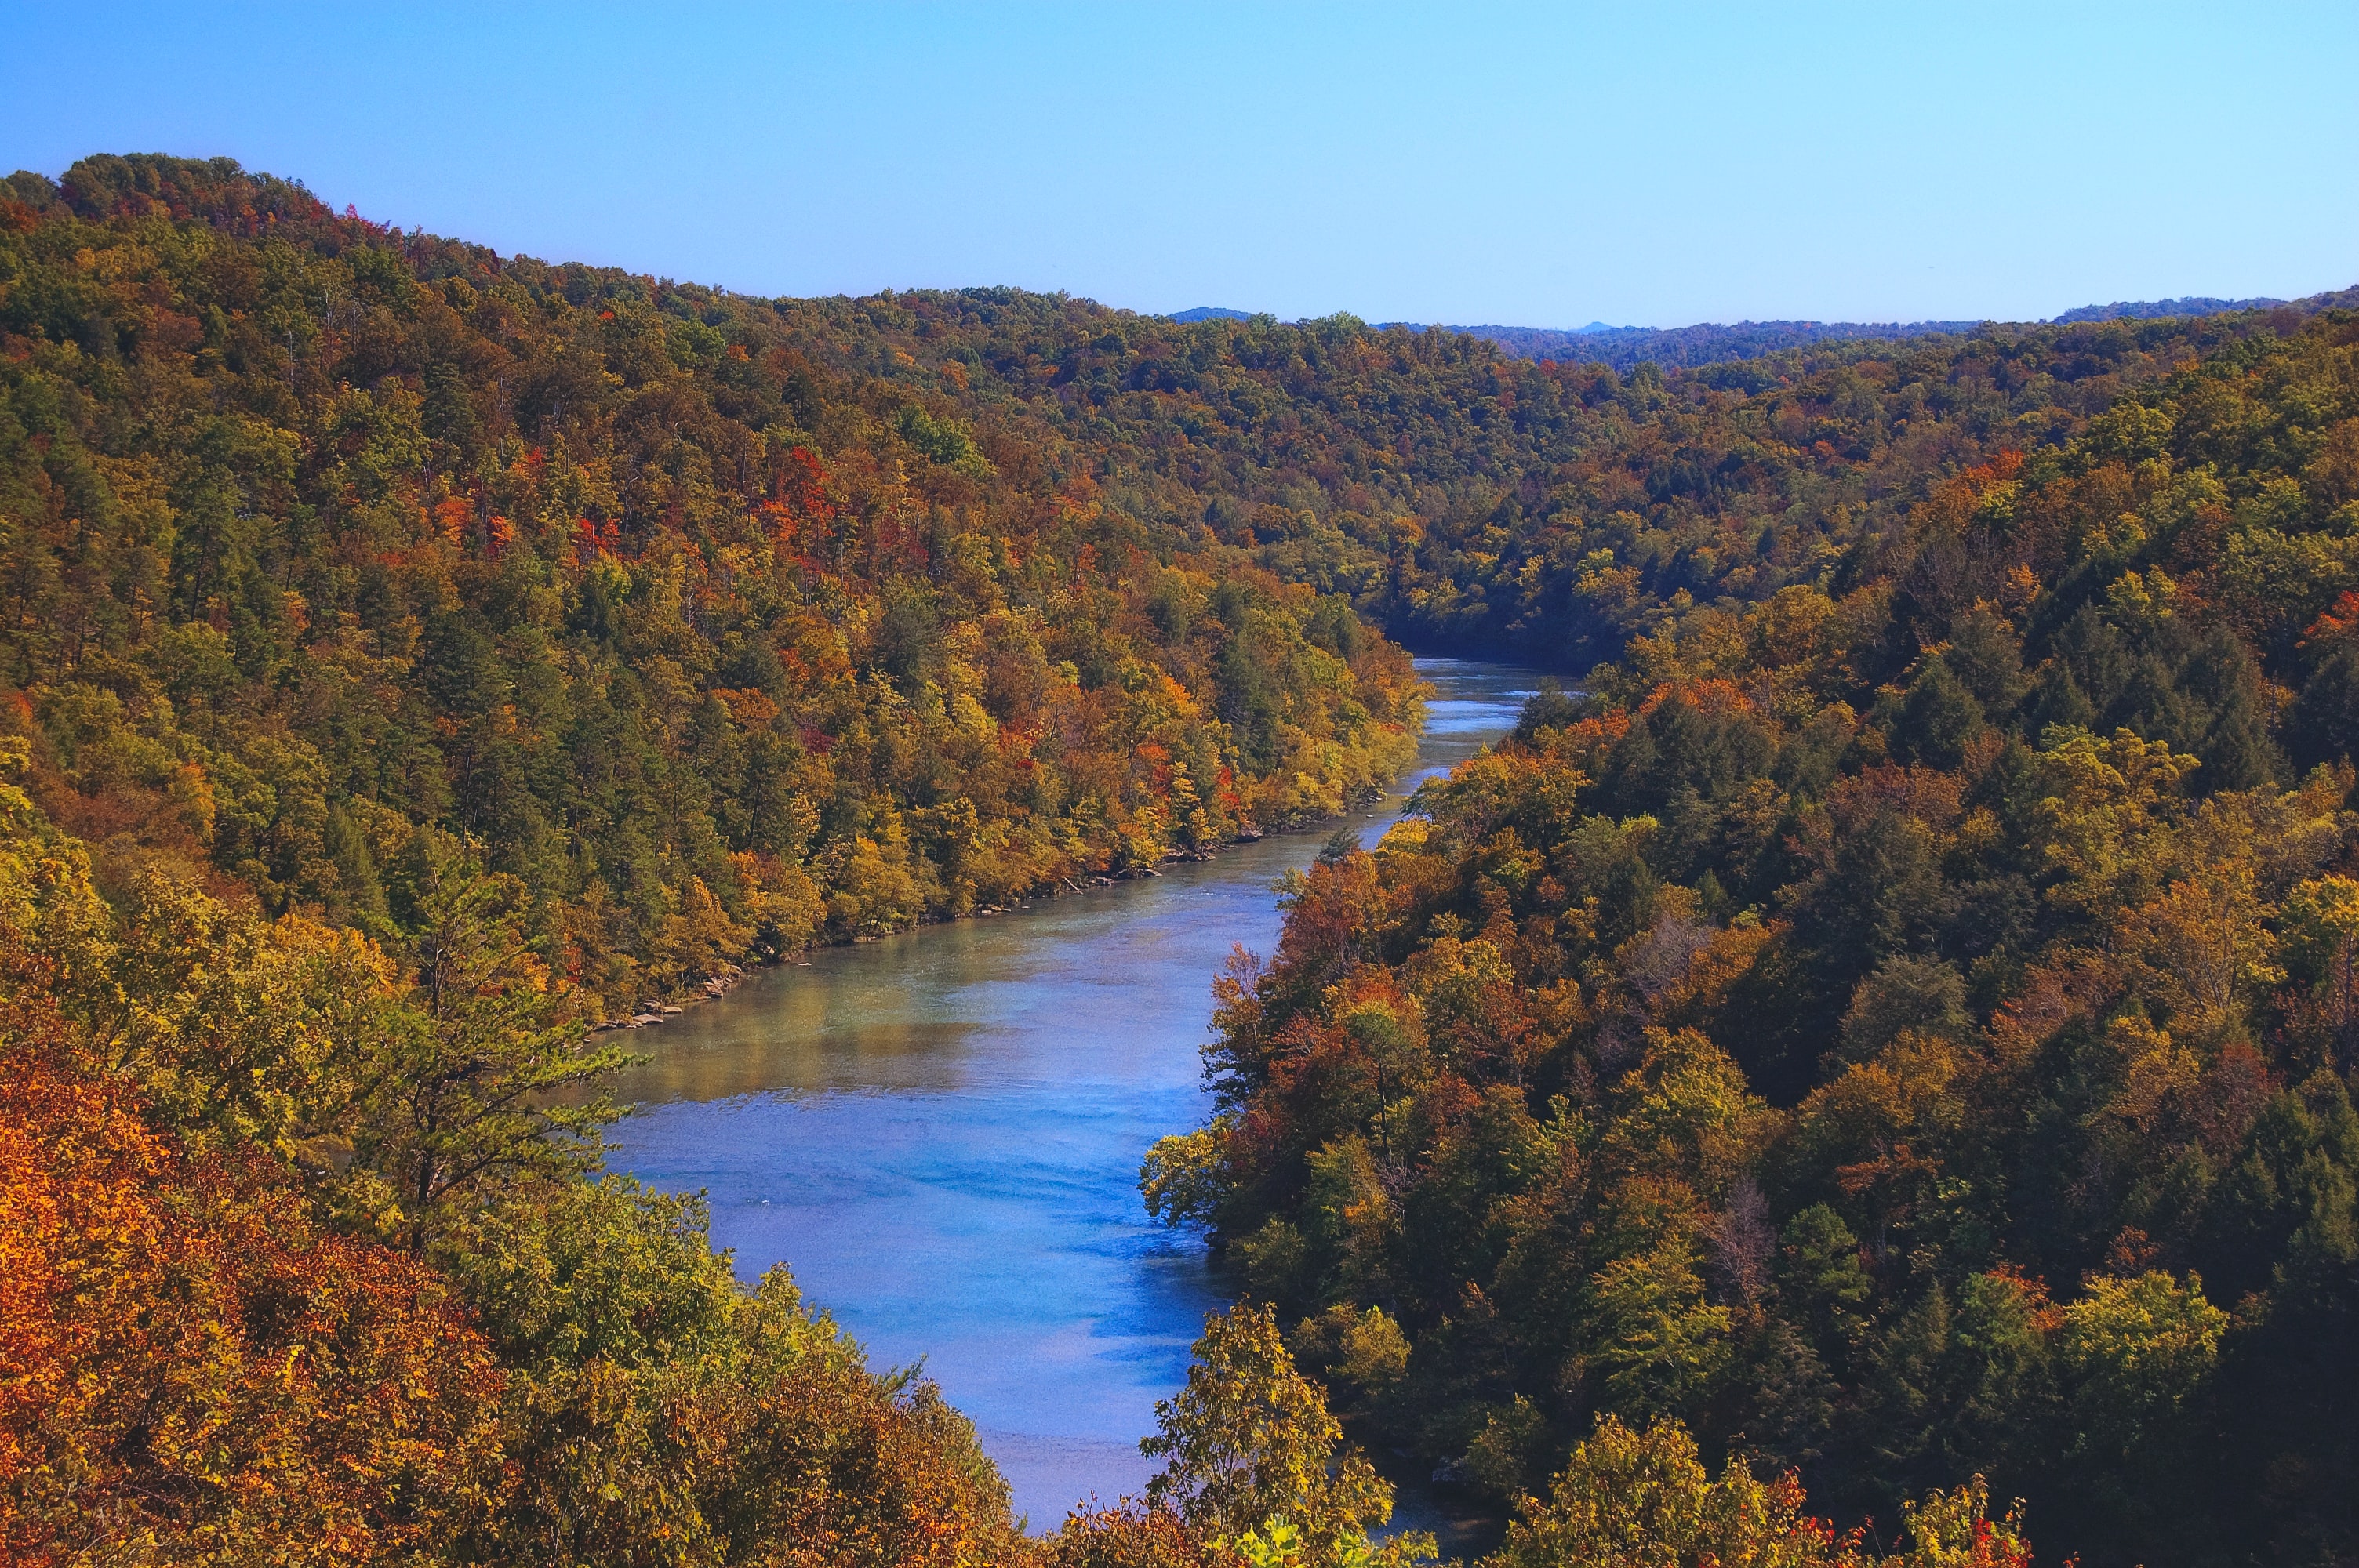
[(1249, 1451)]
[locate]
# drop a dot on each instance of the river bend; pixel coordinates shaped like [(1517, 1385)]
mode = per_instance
[(939, 1133)]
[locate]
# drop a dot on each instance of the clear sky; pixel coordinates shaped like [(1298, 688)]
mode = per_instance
[(1526, 165)]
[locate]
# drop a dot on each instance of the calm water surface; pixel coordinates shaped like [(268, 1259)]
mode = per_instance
[(939, 1133)]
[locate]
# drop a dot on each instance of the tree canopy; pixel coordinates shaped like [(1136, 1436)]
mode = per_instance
[(1897, 1026)]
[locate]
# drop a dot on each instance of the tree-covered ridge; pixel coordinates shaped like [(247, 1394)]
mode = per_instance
[(1902, 1027), (1465, 499), (1627, 348), (314, 535)]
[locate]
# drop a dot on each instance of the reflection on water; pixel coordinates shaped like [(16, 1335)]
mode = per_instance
[(940, 1133)]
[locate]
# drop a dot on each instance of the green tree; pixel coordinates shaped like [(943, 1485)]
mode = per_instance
[(473, 1079), (1643, 1499), (1660, 1344), (1248, 1444), (2139, 1354)]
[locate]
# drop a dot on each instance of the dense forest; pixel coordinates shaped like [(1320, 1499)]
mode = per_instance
[(1901, 1027), (1879, 1049), (324, 541), (1546, 512), (1624, 348)]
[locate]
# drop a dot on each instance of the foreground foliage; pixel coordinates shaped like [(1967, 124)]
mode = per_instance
[(1644, 1497), (1255, 1480), (293, 1269)]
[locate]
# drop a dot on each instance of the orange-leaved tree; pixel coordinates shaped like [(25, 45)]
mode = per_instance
[(195, 1371)]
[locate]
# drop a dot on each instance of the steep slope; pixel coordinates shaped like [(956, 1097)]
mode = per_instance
[(1463, 498), (1902, 1027), (320, 539)]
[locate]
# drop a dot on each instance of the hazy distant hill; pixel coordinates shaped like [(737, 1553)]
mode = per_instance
[(1706, 344), (2152, 310), (1712, 343), (1212, 313)]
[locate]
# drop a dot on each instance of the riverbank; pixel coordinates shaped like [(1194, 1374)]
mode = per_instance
[(940, 1131), (712, 987)]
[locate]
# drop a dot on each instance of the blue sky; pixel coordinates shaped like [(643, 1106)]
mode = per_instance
[(1530, 165)]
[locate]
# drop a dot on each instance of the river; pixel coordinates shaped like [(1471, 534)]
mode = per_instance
[(939, 1133)]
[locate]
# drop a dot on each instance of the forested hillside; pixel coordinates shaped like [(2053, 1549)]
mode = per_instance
[(1466, 500), (1680, 348), (318, 540), (1901, 1027), (1893, 1026), (409, 658), (295, 1265)]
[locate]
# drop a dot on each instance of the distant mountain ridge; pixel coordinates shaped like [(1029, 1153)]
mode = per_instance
[(1710, 343), (2154, 310), (1704, 343), (1624, 348)]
